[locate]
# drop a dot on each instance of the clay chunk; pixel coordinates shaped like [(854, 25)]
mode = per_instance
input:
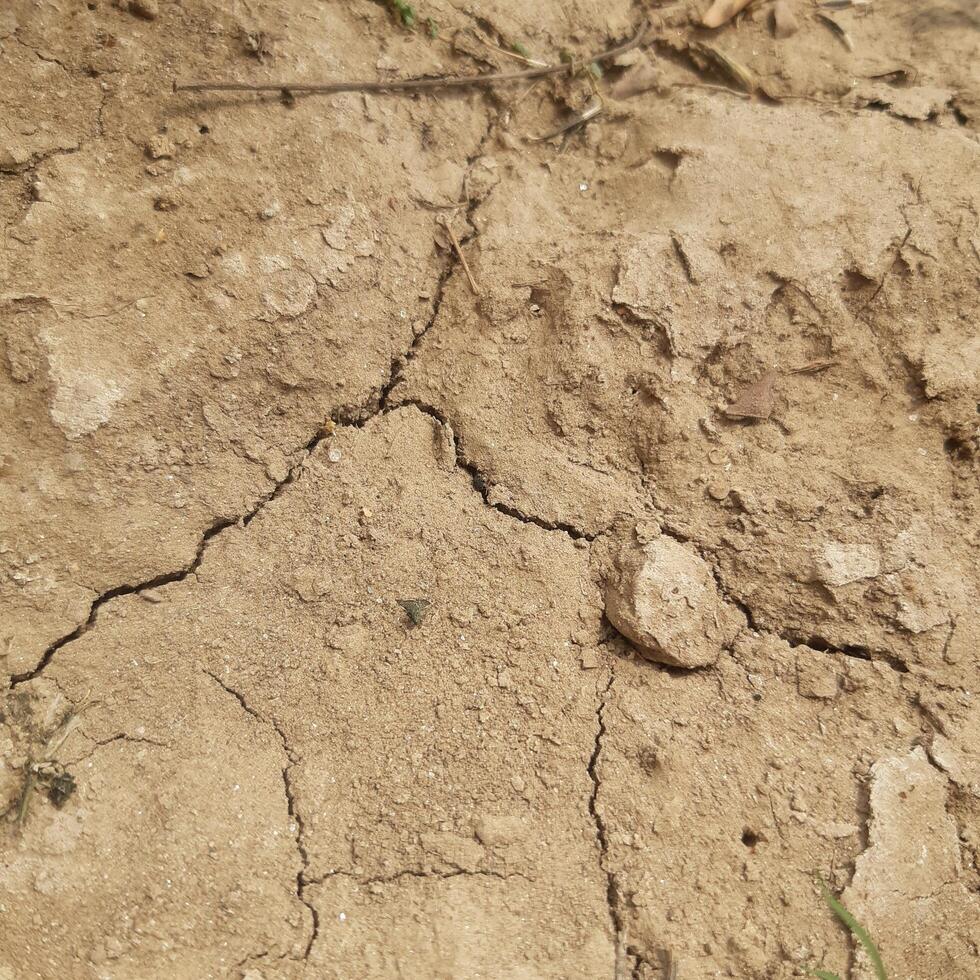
[(663, 598)]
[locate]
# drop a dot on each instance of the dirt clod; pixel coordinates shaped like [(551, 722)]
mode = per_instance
[(913, 853), (662, 597)]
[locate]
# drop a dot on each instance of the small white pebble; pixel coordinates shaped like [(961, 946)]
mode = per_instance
[(583, 187), (334, 455), (342, 917), (913, 418)]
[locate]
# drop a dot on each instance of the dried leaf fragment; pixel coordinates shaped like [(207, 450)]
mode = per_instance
[(727, 65), (415, 609), (836, 28), (756, 401)]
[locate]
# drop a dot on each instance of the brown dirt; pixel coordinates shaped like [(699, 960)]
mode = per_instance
[(250, 404)]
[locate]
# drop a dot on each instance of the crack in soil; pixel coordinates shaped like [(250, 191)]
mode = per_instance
[(413, 873), (168, 578), (120, 737), (360, 415), (853, 650), (350, 416), (814, 642), (482, 485), (295, 817), (37, 160), (897, 246), (612, 889)]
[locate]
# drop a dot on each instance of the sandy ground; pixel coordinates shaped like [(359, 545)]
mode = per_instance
[(686, 478)]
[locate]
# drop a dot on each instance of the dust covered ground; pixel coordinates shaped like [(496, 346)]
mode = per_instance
[(687, 475)]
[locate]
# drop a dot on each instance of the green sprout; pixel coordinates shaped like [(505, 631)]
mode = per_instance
[(857, 930), (404, 11)]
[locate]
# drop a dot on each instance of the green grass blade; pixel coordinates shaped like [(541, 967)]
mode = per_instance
[(857, 930)]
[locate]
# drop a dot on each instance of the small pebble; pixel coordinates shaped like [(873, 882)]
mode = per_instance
[(662, 597), (718, 490), (334, 454)]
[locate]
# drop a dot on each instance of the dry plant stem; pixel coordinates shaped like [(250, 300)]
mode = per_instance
[(462, 258), (593, 110), (513, 54), (415, 84)]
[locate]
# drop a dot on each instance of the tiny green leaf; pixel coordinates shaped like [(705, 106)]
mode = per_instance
[(859, 932)]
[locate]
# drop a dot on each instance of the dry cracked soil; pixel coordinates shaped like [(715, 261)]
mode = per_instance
[(434, 547)]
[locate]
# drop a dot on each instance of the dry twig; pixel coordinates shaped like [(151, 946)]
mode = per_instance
[(462, 258), (416, 84)]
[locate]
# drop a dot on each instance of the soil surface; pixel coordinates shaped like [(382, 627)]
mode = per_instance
[(428, 549)]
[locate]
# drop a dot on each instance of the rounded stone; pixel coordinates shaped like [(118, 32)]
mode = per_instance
[(663, 598)]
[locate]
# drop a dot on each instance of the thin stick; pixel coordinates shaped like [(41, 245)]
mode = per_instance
[(415, 84), (462, 258)]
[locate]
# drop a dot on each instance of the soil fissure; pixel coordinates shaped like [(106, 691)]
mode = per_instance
[(292, 809)]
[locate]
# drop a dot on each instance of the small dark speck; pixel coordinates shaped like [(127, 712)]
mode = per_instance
[(61, 788)]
